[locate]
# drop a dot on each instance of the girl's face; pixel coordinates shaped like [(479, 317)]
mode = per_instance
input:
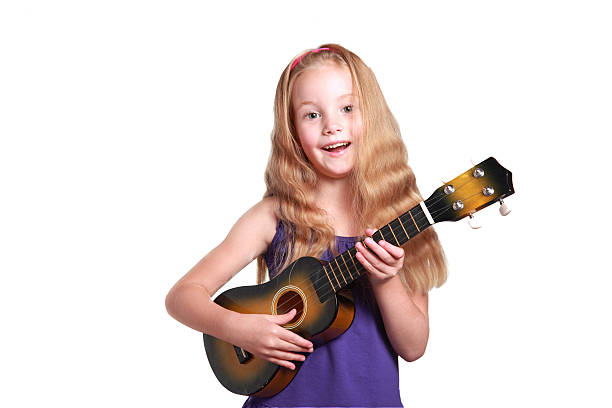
[(327, 119)]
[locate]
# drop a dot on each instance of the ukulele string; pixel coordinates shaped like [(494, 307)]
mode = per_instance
[(322, 278), (419, 217), (333, 289)]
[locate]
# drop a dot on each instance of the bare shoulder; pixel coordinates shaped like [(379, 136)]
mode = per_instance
[(257, 226), (248, 238)]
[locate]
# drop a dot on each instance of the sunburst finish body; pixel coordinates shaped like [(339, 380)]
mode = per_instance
[(321, 316)]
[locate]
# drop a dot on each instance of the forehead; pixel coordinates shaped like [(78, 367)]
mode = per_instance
[(322, 84)]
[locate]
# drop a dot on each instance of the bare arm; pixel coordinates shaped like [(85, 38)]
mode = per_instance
[(405, 315), (189, 300)]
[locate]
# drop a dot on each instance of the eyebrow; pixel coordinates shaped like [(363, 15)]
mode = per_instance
[(312, 103)]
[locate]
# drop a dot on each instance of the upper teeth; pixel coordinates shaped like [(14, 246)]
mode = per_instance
[(335, 145)]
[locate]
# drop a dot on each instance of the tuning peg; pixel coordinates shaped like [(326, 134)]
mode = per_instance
[(503, 209), (473, 222)]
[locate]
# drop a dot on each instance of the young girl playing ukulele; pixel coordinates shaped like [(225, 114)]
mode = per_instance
[(338, 167)]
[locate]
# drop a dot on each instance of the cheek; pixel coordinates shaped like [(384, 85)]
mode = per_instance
[(307, 141), (306, 148), (310, 150)]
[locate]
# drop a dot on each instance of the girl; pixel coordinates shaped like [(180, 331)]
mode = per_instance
[(338, 166)]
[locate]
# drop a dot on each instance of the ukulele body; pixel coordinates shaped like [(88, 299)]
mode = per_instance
[(321, 316)]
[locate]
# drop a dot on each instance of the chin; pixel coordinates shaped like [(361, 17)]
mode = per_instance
[(336, 175)]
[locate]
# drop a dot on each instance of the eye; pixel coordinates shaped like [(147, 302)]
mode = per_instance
[(312, 115), (348, 108)]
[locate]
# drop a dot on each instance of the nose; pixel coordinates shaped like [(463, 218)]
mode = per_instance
[(332, 125)]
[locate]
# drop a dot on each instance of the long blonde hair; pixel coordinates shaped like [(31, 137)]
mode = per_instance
[(383, 184)]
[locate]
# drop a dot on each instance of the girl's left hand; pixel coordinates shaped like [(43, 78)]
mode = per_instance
[(384, 263)]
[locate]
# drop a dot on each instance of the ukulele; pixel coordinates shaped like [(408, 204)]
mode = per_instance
[(312, 287)]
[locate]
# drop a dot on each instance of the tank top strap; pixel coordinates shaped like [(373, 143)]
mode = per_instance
[(277, 250)]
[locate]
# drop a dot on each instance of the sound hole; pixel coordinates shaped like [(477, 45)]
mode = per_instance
[(290, 300)]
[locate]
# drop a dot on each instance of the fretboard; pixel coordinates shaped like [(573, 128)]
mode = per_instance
[(345, 268)]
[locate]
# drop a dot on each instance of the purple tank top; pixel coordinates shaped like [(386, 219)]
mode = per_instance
[(357, 369)]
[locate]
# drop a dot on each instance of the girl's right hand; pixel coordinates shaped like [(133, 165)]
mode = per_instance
[(263, 336)]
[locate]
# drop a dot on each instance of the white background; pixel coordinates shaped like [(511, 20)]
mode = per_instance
[(135, 133)]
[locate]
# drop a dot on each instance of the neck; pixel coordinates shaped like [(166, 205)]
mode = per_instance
[(345, 268), (335, 196), (333, 193)]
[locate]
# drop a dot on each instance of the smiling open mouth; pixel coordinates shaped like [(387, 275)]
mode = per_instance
[(336, 147)]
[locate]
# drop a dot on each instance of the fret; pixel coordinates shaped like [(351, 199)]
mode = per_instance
[(410, 226), (391, 229), (330, 282), (351, 255), (381, 233), (340, 269), (346, 266), (415, 224), (331, 266), (402, 224), (360, 267)]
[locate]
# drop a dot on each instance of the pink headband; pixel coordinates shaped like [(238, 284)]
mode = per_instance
[(298, 59)]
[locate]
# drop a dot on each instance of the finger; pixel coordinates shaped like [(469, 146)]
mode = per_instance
[(363, 253), (395, 251), (287, 346), (283, 355), (375, 255), (365, 258), (293, 338), (282, 318), (282, 363), (369, 268), (379, 250)]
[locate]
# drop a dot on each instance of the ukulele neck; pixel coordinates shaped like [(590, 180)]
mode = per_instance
[(345, 268)]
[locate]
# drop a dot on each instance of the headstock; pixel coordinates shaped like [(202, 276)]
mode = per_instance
[(477, 188)]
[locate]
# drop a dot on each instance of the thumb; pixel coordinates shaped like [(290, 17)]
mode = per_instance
[(284, 318)]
